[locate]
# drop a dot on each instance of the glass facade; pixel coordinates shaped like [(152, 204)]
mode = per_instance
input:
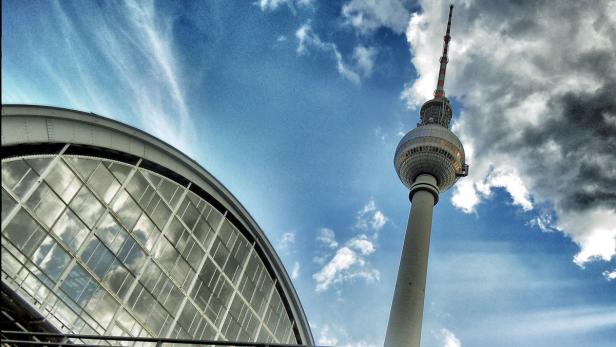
[(104, 247)]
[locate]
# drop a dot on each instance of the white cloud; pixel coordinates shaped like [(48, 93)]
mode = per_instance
[(538, 133), (363, 57), (449, 339), (295, 270), (345, 266), (369, 15), (343, 260), (327, 337), (362, 245), (370, 217), (333, 335), (594, 231), (287, 241), (272, 5), (609, 275), (327, 237)]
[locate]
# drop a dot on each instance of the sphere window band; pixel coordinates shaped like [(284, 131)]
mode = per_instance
[(104, 247)]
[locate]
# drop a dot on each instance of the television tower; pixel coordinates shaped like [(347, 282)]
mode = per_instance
[(429, 160)]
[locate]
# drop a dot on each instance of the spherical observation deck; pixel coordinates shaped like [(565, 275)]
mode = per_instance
[(430, 149)]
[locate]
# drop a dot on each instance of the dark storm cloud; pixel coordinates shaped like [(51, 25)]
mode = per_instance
[(537, 85), (586, 133)]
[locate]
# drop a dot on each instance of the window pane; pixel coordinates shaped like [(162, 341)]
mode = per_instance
[(70, 229), (170, 191), (45, 204), (76, 284), (19, 176), (103, 183), (126, 208), (119, 171), (63, 181), (7, 204), (137, 186), (51, 258), (24, 233), (161, 215), (87, 207), (97, 257), (145, 232), (83, 166), (111, 233), (152, 177), (190, 215), (203, 232)]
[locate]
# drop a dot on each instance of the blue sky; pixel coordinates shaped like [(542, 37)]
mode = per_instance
[(297, 107)]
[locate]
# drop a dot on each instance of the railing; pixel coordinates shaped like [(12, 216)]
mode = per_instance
[(29, 338)]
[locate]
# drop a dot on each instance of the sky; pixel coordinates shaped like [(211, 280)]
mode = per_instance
[(297, 106)]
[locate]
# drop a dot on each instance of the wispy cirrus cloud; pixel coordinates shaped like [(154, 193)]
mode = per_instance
[(119, 62)]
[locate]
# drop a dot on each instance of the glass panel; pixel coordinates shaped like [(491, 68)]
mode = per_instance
[(118, 279), (87, 207), (203, 232), (102, 306), (132, 255), (83, 166), (24, 233), (63, 181), (161, 215), (138, 186), (103, 183), (51, 258), (190, 215), (152, 177), (126, 208), (145, 232), (77, 285), (7, 203), (39, 164), (214, 218), (45, 204), (97, 257), (170, 191), (111, 233), (175, 230), (71, 230), (194, 255), (18, 176), (120, 171), (228, 234), (153, 278)]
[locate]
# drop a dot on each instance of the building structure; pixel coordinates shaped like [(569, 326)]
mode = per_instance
[(107, 230), (429, 159)]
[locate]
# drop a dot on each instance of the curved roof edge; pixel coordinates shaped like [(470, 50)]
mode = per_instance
[(24, 124)]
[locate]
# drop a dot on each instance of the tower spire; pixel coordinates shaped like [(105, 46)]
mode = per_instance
[(440, 85)]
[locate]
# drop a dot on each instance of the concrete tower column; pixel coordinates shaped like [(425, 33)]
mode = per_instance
[(429, 159), (405, 318)]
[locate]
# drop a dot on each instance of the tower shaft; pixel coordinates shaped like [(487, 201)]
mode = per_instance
[(405, 317)]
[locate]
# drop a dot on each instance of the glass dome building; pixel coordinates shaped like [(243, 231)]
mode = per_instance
[(107, 230)]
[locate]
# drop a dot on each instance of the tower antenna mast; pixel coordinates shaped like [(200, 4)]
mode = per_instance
[(440, 85)]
